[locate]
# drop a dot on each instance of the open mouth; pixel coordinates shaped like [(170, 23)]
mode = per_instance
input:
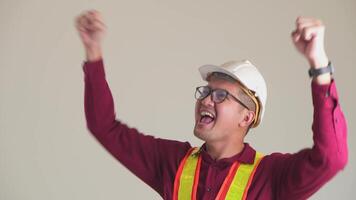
[(206, 117)]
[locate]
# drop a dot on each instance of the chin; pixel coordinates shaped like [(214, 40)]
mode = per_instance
[(197, 133), (201, 134)]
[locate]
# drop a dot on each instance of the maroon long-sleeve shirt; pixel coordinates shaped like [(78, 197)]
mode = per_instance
[(279, 176)]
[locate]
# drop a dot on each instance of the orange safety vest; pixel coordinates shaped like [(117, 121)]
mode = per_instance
[(235, 185)]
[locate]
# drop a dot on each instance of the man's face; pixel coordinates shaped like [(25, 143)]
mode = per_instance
[(227, 114)]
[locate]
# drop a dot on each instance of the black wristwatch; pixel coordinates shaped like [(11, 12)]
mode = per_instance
[(316, 72)]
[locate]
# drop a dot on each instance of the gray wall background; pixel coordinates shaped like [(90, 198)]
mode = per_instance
[(153, 48)]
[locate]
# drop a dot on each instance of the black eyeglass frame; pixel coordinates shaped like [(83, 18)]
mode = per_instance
[(211, 91)]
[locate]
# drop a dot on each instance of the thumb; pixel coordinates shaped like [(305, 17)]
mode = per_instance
[(295, 36)]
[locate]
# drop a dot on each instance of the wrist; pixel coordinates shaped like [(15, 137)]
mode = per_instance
[(321, 61), (93, 54), (323, 79)]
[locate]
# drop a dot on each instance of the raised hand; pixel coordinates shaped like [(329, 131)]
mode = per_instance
[(91, 30), (308, 38)]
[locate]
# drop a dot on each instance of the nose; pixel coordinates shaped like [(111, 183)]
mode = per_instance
[(207, 101)]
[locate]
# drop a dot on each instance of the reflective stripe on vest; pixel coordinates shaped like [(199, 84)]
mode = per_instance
[(235, 185)]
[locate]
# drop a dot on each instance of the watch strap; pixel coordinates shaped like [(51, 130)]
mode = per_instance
[(316, 72)]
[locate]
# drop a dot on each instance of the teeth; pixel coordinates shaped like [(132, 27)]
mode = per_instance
[(203, 113)]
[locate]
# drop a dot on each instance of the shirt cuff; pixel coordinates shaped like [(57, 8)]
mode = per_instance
[(324, 95), (94, 69)]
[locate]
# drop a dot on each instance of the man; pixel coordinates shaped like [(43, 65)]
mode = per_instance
[(232, 102)]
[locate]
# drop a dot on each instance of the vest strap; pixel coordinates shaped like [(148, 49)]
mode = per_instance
[(235, 185)]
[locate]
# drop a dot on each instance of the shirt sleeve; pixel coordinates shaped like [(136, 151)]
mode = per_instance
[(299, 175), (144, 155)]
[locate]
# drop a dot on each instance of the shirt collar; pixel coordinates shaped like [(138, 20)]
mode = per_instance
[(246, 156)]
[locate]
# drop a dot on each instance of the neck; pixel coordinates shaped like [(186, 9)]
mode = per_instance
[(222, 150)]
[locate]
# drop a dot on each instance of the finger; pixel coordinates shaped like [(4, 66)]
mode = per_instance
[(95, 16), (295, 35), (309, 32), (97, 26), (302, 23), (81, 23), (87, 21), (306, 24), (94, 23), (302, 19), (98, 21), (94, 12), (90, 15)]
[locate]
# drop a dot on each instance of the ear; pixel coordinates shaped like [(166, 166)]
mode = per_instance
[(248, 117)]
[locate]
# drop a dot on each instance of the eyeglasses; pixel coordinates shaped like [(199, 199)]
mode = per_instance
[(217, 95)]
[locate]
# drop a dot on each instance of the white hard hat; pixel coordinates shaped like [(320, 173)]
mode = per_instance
[(245, 73)]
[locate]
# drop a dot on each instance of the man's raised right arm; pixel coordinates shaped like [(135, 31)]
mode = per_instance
[(98, 100), (141, 154)]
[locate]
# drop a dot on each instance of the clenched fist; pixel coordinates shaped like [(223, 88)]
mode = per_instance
[(91, 30), (308, 38)]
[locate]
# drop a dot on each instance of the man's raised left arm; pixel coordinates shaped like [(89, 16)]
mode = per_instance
[(299, 175)]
